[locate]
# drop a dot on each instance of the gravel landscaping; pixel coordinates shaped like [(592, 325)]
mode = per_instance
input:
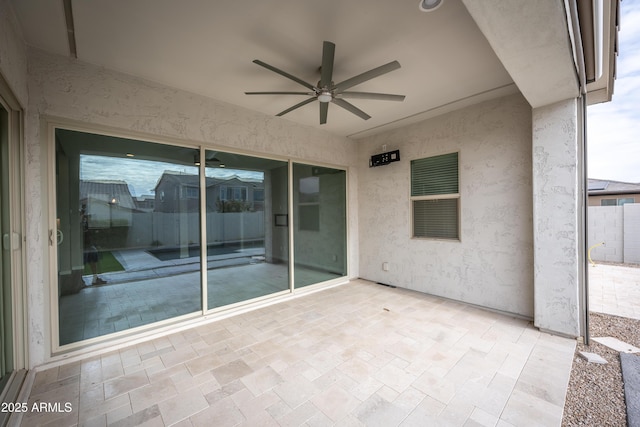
[(595, 396)]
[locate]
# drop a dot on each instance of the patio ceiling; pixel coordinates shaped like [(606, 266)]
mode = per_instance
[(207, 48)]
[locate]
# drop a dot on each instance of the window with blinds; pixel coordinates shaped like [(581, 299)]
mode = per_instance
[(435, 197)]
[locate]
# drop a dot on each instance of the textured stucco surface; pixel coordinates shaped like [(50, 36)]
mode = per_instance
[(556, 217), (491, 265), (72, 90), (530, 38)]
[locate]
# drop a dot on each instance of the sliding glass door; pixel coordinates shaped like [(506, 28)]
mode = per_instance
[(12, 288), (128, 227), (150, 232), (320, 235), (247, 234)]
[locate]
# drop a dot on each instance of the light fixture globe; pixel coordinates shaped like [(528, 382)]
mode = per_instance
[(325, 96), (429, 5)]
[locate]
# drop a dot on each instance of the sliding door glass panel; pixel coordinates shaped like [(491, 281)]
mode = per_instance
[(247, 227), (320, 236), (128, 233)]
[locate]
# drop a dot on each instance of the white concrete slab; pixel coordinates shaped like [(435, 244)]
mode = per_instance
[(615, 289), (617, 345), (593, 357)]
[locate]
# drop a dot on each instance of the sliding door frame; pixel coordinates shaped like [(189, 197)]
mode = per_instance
[(49, 124), (12, 240)]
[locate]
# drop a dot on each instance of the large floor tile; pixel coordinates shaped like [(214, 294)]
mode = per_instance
[(353, 355)]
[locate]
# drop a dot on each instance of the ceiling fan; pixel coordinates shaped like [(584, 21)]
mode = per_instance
[(326, 91)]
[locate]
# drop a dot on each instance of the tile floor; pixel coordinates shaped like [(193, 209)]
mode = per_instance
[(615, 289), (147, 296), (352, 355)]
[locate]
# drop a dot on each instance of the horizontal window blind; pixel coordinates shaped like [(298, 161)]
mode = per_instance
[(436, 218), (435, 175)]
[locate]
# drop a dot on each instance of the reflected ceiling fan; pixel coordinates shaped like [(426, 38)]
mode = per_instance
[(326, 91)]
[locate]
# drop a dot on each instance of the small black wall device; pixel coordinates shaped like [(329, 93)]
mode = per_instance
[(384, 158)]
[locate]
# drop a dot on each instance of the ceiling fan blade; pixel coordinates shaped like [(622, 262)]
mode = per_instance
[(324, 109), (285, 74), (351, 108), (371, 95), (328, 53), (298, 105), (280, 93), (367, 75)]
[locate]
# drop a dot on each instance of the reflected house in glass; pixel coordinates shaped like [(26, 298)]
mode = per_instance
[(107, 203), (105, 215), (146, 202), (177, 191)]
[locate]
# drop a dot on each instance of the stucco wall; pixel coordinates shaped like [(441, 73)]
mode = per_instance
[(556, 214), (66, 88), (492, 263)]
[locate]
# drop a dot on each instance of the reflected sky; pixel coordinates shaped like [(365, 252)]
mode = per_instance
[(143, 175)]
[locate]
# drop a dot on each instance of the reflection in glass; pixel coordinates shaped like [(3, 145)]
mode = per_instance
[(319, 200), (128, 217), (247, 247), (128, 233)]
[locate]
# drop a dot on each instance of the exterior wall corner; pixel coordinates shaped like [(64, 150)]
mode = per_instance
[(556, 217)]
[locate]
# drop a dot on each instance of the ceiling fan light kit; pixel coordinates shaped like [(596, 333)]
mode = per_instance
[(326, 91), (325, 96), (429, 5)]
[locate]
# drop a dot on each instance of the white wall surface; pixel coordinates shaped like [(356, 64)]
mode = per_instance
[(606, 225), (632, 233), (619, 228), (65, 88), (556, 218), (492, 264), (530, 38)]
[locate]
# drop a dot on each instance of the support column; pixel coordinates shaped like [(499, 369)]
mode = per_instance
[(556, 217)]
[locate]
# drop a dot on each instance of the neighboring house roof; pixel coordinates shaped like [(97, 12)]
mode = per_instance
[(601, 187), (106, 191), (178, 178), (194, 180)]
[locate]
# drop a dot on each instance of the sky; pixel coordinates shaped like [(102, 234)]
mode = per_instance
[(142, 175), (613, 138)]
